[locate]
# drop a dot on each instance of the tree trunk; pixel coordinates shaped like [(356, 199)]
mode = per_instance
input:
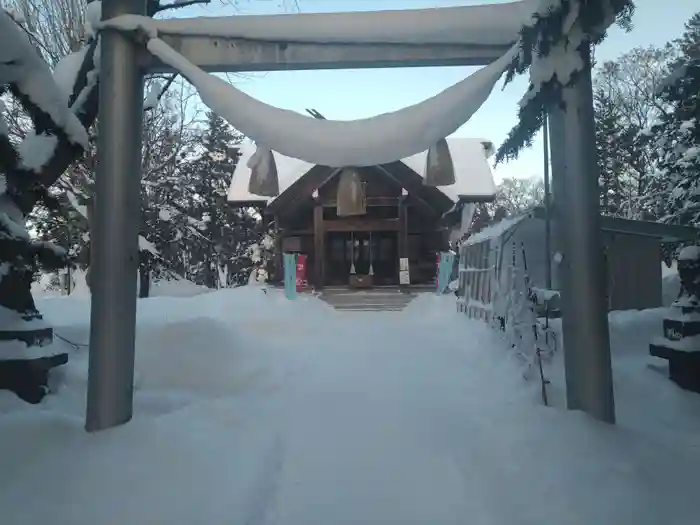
[(144, 275), (144, 283)]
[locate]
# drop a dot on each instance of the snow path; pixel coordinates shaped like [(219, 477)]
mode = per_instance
[(401, 433), (325, 417)]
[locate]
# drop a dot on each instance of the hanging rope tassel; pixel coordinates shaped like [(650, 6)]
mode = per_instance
[(352, 254), (439, 168), (264, 180), (371, 263)]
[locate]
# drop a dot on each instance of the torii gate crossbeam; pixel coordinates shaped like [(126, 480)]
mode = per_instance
[(117, 195), (230, 55)]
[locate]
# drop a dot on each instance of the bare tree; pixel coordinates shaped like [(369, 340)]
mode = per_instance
[(40, 140), (33, 160), (631, 85), (56, 27), (517, 195)]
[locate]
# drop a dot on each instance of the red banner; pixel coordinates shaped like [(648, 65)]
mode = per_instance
[(302, 283)]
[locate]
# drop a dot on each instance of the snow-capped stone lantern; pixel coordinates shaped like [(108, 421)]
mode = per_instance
[(680, 343)]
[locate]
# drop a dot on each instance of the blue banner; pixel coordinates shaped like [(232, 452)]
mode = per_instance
[(447, 260), (290, 275)]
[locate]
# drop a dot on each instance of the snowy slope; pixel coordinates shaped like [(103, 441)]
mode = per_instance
[(251, 409), (159, 288), (646, 400)]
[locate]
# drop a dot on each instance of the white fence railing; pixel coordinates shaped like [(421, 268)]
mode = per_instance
[(494, 286)]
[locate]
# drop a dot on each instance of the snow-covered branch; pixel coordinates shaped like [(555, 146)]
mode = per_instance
[(554, 47), (177, 4)]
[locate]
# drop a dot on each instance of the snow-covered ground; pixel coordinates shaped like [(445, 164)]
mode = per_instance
[(175, 287), (670, 283), (251, 409)]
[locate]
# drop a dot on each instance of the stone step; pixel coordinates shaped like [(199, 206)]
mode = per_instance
[(367, 300), (370, 308)]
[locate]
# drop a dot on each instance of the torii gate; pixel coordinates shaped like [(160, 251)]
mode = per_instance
[(123, 65)]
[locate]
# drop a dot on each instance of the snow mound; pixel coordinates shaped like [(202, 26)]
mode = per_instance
[(646, 400), (430, 304), (689, 253), (196, 355), (670, 283), (176, 288), (670, 288), (179, 466)]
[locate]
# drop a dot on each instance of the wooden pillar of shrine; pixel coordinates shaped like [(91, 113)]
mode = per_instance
[(403, 228), (319, 245), (279, 270)]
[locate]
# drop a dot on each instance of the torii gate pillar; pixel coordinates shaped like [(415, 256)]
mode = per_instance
[(589, 382), (117, 210), (114, 264)]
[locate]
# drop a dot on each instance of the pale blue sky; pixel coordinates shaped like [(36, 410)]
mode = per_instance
[(352, 94)]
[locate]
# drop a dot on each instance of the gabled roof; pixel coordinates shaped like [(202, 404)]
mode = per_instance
[(472, 171), (664, 232)]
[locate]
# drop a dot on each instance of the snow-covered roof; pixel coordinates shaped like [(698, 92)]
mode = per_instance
[(472, 170), (496, 230), (474, 178)]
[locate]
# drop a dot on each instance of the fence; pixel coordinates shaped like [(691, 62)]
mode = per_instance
[(495, 287), (477, 275)]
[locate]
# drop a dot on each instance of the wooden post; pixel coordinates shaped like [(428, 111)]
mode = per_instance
[(403, 227), (279, 270), (319, 245), (403, 233)]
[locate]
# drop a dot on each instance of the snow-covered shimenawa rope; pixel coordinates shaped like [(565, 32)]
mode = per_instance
[(377, 140), (555, 47)]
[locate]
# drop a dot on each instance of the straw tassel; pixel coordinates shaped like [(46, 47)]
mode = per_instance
[(351, 194), (352, 254), (439, 169), (263, 173)]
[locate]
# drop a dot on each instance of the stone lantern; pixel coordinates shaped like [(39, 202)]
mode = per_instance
[(680, 343)]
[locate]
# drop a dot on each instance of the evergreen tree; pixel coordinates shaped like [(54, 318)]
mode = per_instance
[(481, 218), (689, 43), (218, 254), (613, 149), (676, 184), (675, 191), (627, 103)]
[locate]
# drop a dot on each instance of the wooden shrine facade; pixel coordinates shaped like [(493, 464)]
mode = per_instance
[(404, 219)]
